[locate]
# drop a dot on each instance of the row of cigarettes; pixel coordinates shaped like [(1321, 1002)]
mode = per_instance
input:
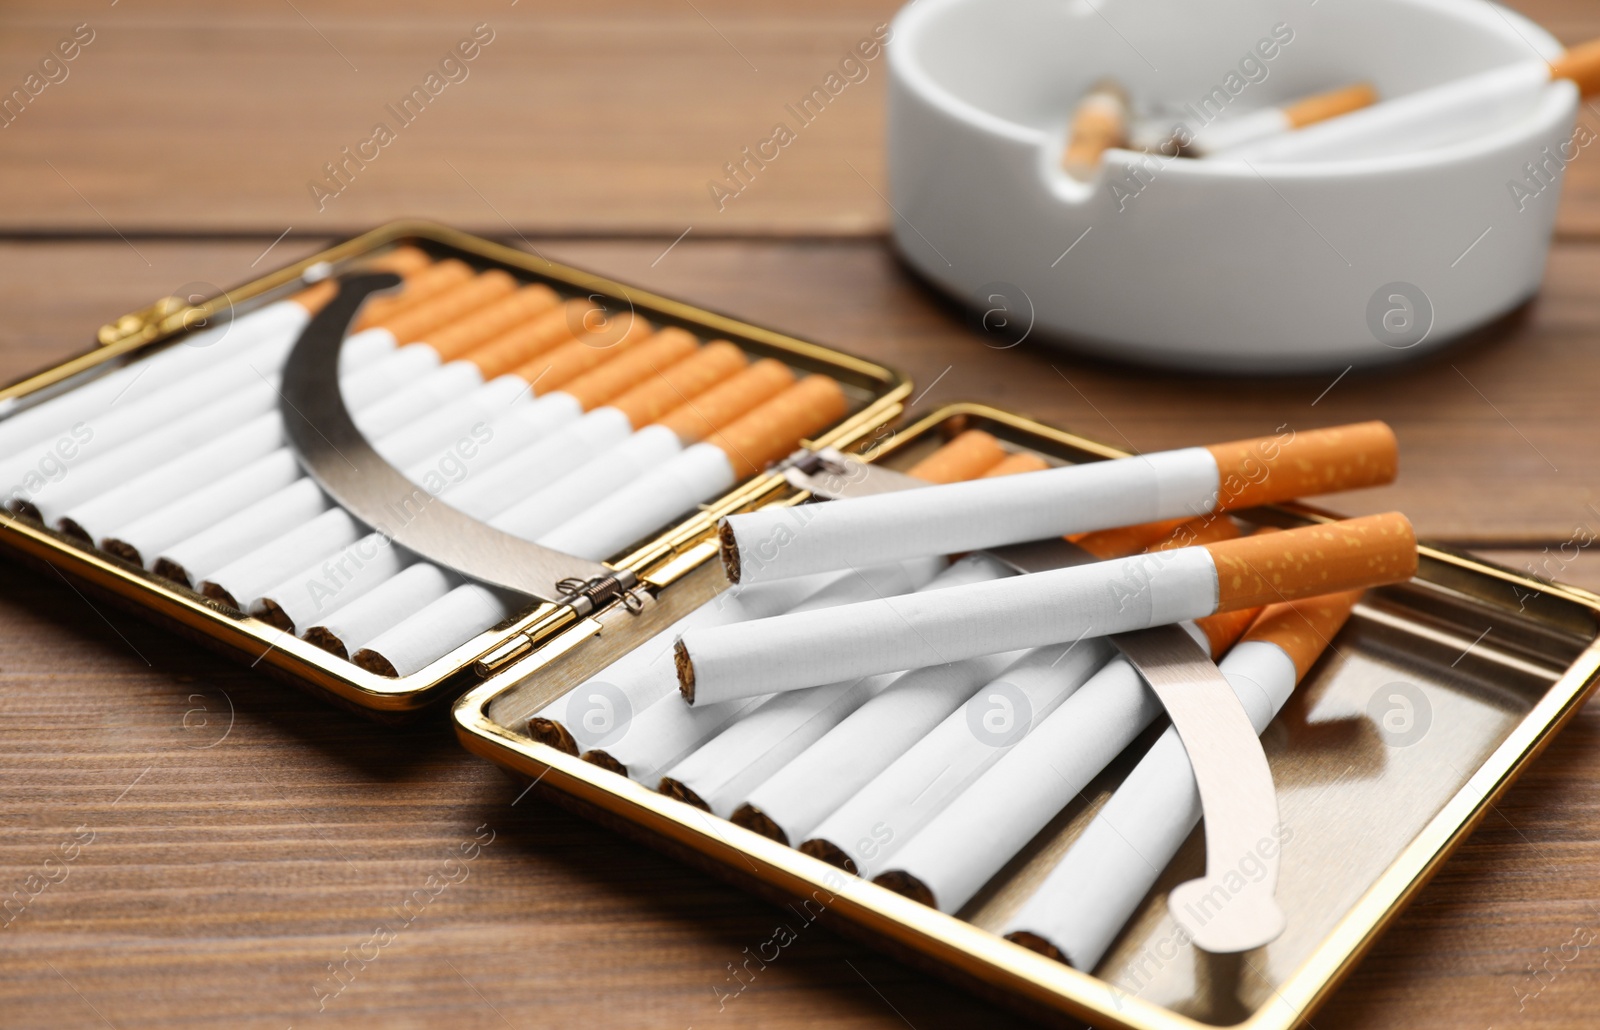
[(918, 719), (1107, 117), (537, 414)]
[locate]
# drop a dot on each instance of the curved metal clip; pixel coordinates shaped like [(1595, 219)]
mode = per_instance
[(334, 452), (1222, 914)]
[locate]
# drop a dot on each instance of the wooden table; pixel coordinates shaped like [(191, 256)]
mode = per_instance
[(245, 837)]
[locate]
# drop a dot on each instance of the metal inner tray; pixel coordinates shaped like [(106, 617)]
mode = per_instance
[(1423, 709)]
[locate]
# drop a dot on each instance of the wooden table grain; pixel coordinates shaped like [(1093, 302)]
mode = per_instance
[(233, 842)]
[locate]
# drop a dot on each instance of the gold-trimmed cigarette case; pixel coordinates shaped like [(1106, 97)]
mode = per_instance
[(1390, 751)]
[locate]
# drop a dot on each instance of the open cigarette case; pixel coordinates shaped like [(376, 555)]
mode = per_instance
[(1435, 695)]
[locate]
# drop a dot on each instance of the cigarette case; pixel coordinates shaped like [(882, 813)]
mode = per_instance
[(1433, 698)]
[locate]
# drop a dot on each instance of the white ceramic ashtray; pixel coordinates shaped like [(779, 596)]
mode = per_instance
[(1362, 240)]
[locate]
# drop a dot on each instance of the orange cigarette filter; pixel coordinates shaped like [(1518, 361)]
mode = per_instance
[(449, 307), (1278, 567), (1314, 461), (403, 261), (967, 456), (776, 428), (645, 360), (465, 337), (1581, 64), (728, 400), (1015, 464), (716, 362), (555, 368), (426, 283), (1322, 106), (519, 344), (1303, 628), (1099, 123)]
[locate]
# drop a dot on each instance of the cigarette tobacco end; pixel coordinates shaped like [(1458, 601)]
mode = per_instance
[(685, 667), (906, 885), (1033, 942), (552, 734), (829, 852), (321, 636), (75, 531), (730, 551), (273, 615), (753, 818), (374, 662), (605, 762), (678, 791), (27, 510), (124, 550), (217, 593), (173, 571)]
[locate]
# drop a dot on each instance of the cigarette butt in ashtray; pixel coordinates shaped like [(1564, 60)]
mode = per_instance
[(1187, 139), (1099, 123)]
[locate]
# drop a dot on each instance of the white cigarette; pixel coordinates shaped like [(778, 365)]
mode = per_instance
[(912, 788), (666, 731), (598, 710), (958, 849), (787, 652), (722, 772), (241, 581), (299, 601), (196, 558), (1090, 895), (351, 626), (644, 506), (435, 631), (144, 539), (969, 516), (1196, 136), (603, 474)]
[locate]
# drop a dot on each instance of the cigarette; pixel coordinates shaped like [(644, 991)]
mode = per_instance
[(429, 282), (969, 455), (773, 732), (791, 652), (906, 752), (960, 517), (293, 566), (132, 434), (52, 419), (667, 734), (1092, 893), (1099, 123), (1006, 805), (1435, 115), (645, 675), (1204, 140), (732, 453), (174, 482)]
